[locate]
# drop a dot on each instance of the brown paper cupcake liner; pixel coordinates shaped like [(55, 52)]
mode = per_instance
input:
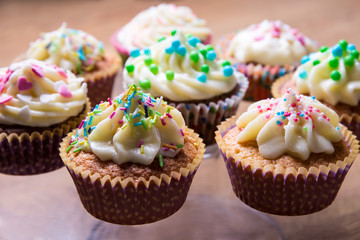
[(260, 76), (100, 83), (204, 118), (129, 201), (286, 191), (35, 152)]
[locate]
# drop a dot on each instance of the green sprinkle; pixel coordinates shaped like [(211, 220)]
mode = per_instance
[(203, 52), (305, 128), (79, 68), (334, 63), (323, 49), (161, 39), (316, 62), (161, 161), (179, 146), (194, 56), (335, 75), (205, 68), (148, 60), (73, 143), (145, 84), (173, 32), (349, 61), (130, 68), (127, 117), (226, 63), (158, 113), (77, 150), (188, 35), (154, 68), (144, 123), (343, 44), (209, 47), (151, 112), (69, 148), (97, 111), (169, 75), (355, 54), (152, 121)]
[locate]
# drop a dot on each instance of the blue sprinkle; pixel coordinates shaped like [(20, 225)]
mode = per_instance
[(169, 50), (303, 74), (302, 114), (85, 132), (187, 106), (283, 117), (305, 59), (63, 35), (135, 53), (137, 124), (337, 51), (313, 97), (147, 51), (228, 71), (282, 112), (181, 50), (278, 113), (351, 47), (84, 125), (91, 119), (193, 41), (211, 55), (175, 44), (81, 54), (278, 122), (285, 99), (136, 115), (201, 77), (337, 128), (203, 120), (282, 72)]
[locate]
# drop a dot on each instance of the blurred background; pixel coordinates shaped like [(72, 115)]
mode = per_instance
[(47, 206)]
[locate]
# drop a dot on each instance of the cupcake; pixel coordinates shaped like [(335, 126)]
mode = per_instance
[(331, 75), (287, 156), (132, 159), (39, 105), (82, 54), (155, 23), (264, 52), (188, 76)]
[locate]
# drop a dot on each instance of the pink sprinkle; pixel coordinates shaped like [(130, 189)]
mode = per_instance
[(141, 142), (259, 38), (295, 119), (268, 109), (260, 110), (258, 106), (181, 131), (150, 104), (38, 71), (165, 149), (139, 101), (328, 119), (301, 39), (267, 116), (122, 109), (2, 86), (306, 117), (162, 121), (62, 73), (317, 110), (293, 105), (275, 34), (5, 99), (168, 115), (121, 121), (23, 84), (64, 91), (112, 115), (109, 100), (6, 77), (281, 123), (294, 31), (81, 124)]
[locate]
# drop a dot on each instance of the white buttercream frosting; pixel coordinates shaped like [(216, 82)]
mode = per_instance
[(156, 22), (180, 68), (133, 128), (294, 124), (331, 75), (270, 42), (37, 94), (67, 48)]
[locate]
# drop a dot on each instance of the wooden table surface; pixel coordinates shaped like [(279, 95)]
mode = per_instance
[(46, 206)]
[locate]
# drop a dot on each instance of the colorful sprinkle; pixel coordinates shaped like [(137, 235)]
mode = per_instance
[(148, 60), (135, 53), (193, 41), (343, 44), (211, 55), (169, 50), (201, 77), (38, 71), (194, 56), (303, 74), (316, 62), (228, 71), (175, 44), (169, 75), (64, 91), (205, 68), (154, 68), (130, 68), (335, 75), (181, 51), (23, 84), (147, 51), (337, 51), (77, 150), (305, 59), (173, 32), (355, 54), (161, 161), (323, 49), (145, 84), (349, 61), (334, 63)]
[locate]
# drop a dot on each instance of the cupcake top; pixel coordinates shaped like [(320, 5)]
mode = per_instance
[(37, 94), (68, 48), (180, 68), (270, 42), (332, 74), (154, 23), (294, 124), (133, 128)]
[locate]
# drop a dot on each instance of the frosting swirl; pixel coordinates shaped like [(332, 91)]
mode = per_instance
[(180, 69), (146, 28), (67, 48), (133, 128), (270, 42), (332, 74), (294, 124), (37, 94)]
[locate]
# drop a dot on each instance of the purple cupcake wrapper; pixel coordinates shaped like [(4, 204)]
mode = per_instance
[(100, 89), (204, 118), (352, 123), (287, 194), (131, 205), (36, 153)]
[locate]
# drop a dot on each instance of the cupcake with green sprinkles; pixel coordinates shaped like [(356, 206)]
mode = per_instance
[(81, 53), (332, 75), (188, 75), (132, 159)]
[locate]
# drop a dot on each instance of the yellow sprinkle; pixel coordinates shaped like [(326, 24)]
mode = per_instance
[(124, 126), (90, 114), (141, 112), (142, 149)]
